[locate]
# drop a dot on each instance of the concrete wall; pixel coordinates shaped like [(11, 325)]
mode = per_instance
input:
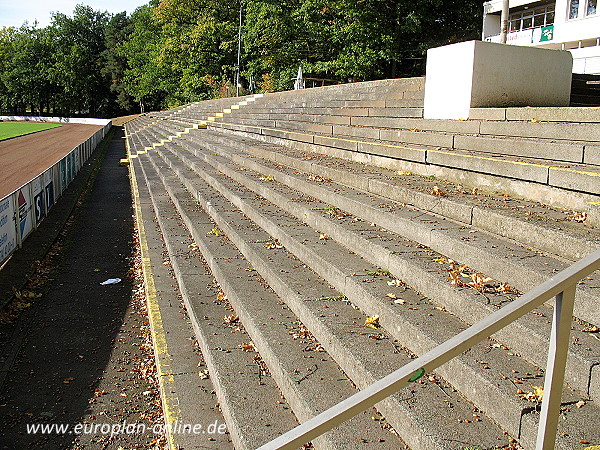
[(477, 74), (82, 120)]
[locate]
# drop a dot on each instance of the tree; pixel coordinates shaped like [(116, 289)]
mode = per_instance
[(200, 42), (26, 59), (114, 63), (151, 84), (80, 42)]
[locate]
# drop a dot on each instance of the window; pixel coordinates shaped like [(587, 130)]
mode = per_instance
[(573, 9), (591, 7), (540, 17)]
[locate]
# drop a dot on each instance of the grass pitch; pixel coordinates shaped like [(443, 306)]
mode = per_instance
[(14, 129)]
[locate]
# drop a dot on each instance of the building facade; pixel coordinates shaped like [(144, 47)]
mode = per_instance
[(572, 25)]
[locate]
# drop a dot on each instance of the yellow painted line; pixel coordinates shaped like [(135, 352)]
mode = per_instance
[(584, 172), (163, 358), (593, 203)]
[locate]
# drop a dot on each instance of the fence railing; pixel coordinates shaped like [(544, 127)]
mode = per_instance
[(23, 209), (561, 286)]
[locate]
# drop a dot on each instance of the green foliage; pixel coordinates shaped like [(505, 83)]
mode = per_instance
[(171, 52), (149, 82)]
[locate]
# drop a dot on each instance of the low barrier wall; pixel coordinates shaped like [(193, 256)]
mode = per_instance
[(24, 209)]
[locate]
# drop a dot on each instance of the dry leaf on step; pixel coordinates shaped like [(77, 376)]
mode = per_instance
[(372, 322)]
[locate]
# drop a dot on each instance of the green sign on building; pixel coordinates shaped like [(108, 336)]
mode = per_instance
[(547, 33)]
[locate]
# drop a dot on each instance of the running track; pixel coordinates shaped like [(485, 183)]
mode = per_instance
[(25, 157)]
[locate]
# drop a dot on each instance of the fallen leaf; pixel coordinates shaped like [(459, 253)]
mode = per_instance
[(437, 191), (377, 337), (214, 231), (504, 287), (372, 322), (535, 396), (68, 380), (318, 179), (454, 276), (402, 172), (392, 295), (232, 318), (269, 178), (273, 245), (395, 283), (249, 347), (579, 217), (324, 237), (479, 281), (580, 403), (592, 329), (203, 374)]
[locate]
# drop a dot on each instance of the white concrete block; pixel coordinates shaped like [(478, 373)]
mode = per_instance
[(478, 74)]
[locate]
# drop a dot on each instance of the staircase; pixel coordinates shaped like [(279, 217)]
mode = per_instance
[(322, 238), (585, 90)]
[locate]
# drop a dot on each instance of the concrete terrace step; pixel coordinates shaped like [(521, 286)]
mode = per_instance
[(249, 422), (186, 398), (578, 143), (483, 252), (237, 378), (363, 366), (527, 337), (366, 366), (463, 373), (289, 361), (565, 238), (566, 185)]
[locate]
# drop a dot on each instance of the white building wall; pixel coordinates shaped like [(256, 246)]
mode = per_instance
[(581, 36)]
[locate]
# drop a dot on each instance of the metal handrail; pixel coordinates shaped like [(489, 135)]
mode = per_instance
[(562, 286)]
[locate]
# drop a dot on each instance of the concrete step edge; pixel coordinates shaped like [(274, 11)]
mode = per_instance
[(520, 187), (522, 276), (537, 236)]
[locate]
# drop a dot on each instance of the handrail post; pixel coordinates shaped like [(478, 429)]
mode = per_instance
[(555, 369)]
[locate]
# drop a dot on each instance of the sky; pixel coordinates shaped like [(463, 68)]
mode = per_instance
[(15, 12)]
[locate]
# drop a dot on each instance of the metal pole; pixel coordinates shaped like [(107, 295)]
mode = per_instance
[(555, 369), (237, 77), (504, 21)]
